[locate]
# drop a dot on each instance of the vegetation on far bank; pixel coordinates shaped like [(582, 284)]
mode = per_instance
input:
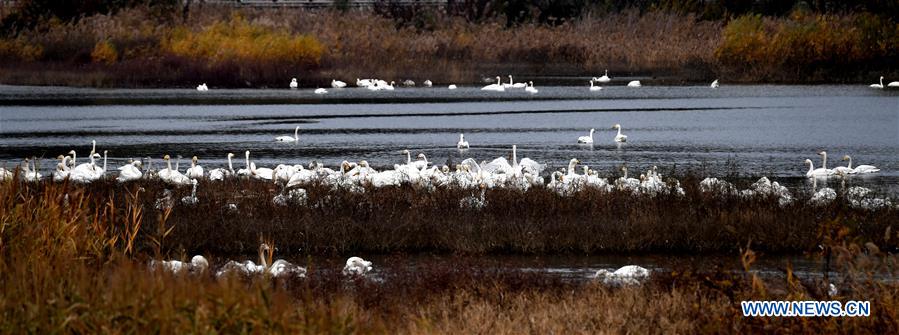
[(73, 259), (161, 44)]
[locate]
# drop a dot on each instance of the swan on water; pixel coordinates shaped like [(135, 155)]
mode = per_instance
[(634, 83), (861, 169), (29, 174), (320, 91), (816, 173), (619, 138), (197, 265), (463, 144), (626, 275), (530, 88), (512, 84), (195, 171), (202, 87), (172, 176), (356, 266), (714, 84), (62, 169), (497, 87), (337, 83), (880, 85), (594, 88), (604, 79), (130, 172), (587, 139), (428, 83), (451, 87), (220, 173), (294, 139), (293, 83), (893, 84)]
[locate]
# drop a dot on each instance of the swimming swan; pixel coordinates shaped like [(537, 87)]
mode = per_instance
[(294, 139), (634, 83), (498, 87), (463, 144), (337, 83), (530, 88), (604, 78), (293, 83), (714, 84), (587, 139), (861, 169), (880, 85), (594, 88), (619, 138)]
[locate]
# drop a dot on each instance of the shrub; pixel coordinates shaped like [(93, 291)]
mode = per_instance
[(104, 52), (242, 42)]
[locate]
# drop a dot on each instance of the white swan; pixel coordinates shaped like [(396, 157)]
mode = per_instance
[(220, 173), (594, 88), (320, 91), (428, 83), (451, 87), (634, 83), (816, 173), (530, 88), (337, 83), (293, 83), (195, 171), (463, 144), (843, 170), (130, 172), (604, 79), (880, 85), (587, 139), (29, 174), (356, 266), (619, 138), (861, 169), (893, 84), (294, 139), (512, 84), (84, 173), (497, 87), (62, 169), (198, 264), (714, 84), (172, 176), (202, 87), (626, 275), (260, 173)]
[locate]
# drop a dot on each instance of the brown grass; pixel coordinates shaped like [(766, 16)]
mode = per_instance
[(65, 266)]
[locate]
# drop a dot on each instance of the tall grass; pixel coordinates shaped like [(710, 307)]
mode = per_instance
[(808, 47), (65, 267)]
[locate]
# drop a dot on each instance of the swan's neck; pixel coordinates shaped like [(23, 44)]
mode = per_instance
[(591, 83), (230, 167), (193, 164), (94, 143), (262, 258), (296, 134), (514, 156), (607, 73), (247, 160), (104, 161), (571, 166), (625, 172), (177, 164), (619, 131), (408, 157), (850, 163), (881, 81), (824, 161), (811, 166), (169, 163)]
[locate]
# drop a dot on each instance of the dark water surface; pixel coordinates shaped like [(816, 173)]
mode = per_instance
[(746, 130)]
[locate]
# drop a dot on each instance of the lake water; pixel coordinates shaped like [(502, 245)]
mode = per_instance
[(747, 130)]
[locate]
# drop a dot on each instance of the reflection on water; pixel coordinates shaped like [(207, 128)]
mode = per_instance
[(746, 130)]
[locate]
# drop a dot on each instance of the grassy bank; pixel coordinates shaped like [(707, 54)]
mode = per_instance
[(232, 216), (69, 263), (228, 47)]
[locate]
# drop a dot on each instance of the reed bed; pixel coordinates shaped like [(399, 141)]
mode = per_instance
[(233, 215), (68, 264)]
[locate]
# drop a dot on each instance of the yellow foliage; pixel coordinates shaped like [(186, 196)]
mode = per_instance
[(19, 50), (104, 52), (243, 42)]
